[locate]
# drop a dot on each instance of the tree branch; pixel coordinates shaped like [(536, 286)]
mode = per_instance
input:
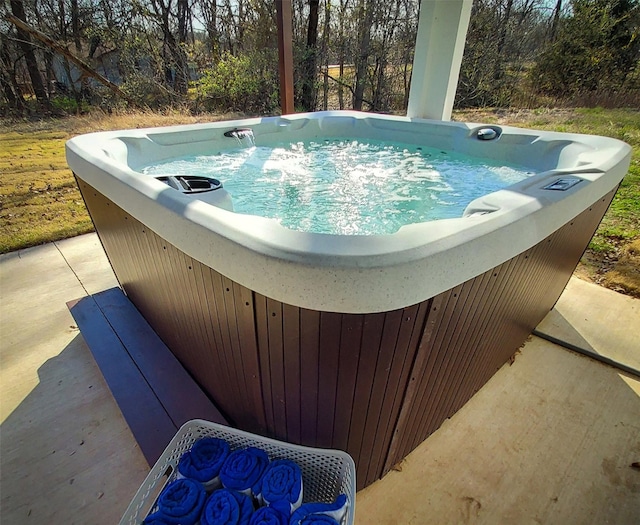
[(349, 87), (341, 82), (88, 71)]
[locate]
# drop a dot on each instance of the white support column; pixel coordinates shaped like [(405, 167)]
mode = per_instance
[(442, 30)]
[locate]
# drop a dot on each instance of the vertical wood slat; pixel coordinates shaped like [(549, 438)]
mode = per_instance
[(245, 315), (474, 337), (211, 373), (389, 335), (328, 361), (423, 363), (219, 344), (429, 382), (235, 354), (181, 297), (375, 385), (350, 348), (159, 316), (262, 328), (480, 314), (447, 360), (369, 350), (292, 352), (171, 333), (309, 377), (232, 395), (276, 366), (169, 324), (403, 356), (444, 386), (419, 329), (218, 375)]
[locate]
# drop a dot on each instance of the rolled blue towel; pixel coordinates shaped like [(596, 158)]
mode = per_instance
[(268, 516), (227, 507), (181, 502), (282, 484), (243, 469), (310, 511), (203, 462)]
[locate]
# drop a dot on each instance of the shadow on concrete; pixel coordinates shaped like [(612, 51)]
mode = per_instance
[(67, 455)]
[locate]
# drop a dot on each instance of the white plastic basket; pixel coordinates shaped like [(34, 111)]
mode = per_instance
[(325, 473)]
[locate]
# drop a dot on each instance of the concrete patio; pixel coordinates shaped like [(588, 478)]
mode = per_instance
[(550, 439)]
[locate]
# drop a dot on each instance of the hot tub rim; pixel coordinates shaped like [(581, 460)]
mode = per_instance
[(349, 264)]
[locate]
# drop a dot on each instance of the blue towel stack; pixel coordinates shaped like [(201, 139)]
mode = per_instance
[(247, 477), (203, 462), (181, 502), (227, 507), (243, 469), (281, 486)]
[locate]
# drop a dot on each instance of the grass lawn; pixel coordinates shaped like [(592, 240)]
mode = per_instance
[(39, 200)]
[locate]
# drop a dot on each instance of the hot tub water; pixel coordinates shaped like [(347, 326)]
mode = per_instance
[(347, 187)]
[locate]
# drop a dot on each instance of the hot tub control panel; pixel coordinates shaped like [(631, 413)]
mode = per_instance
[(563, 184)]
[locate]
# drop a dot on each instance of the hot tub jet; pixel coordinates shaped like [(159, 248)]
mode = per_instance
[(244, 136)]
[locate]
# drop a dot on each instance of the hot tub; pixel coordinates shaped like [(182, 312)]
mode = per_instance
[(365, 343)]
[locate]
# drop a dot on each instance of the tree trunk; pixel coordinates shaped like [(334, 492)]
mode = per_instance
[(309, 70), (502, 37), (366, 17), (13, 100), (24, 41), (341, 58), (325, 54), (62, 26), (556, 19), (210, 14), (75, 26), (8, 83)]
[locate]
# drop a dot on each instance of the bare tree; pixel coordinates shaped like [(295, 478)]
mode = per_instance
[(167, 16), (209, 10), (326, 32), (556, 17), (24, 41), (309, 65), (365, 16), (8, 84)]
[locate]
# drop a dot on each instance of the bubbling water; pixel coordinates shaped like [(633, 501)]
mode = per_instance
[(348, 187)]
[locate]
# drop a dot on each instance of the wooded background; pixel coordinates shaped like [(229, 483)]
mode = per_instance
[(61, 56)]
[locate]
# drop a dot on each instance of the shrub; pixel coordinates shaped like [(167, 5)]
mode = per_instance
[(66, 104), (247, 83), (147, 91), (596, 49)]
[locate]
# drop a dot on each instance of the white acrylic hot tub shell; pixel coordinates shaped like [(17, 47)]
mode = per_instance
[(354, 274)]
